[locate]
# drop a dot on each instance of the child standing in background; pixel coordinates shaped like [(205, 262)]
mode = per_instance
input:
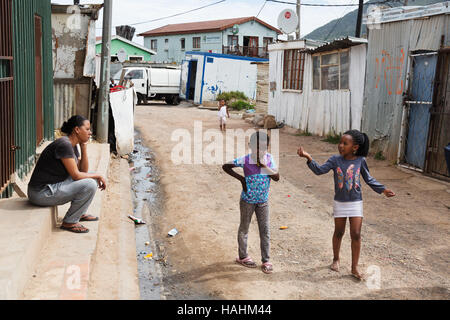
[(348, 167), (223, 113), (259, 168)]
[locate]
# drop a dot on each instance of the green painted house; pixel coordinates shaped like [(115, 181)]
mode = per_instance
[(135, 52)]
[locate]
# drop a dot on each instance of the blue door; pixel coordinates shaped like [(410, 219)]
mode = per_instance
[(421, 101)]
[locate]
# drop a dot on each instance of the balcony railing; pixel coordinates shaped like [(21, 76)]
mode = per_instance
[(255, 52)]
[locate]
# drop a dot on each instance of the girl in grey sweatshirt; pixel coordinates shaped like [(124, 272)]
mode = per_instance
[(348, 167)]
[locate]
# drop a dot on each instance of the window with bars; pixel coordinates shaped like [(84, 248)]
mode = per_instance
[(196, 42), (330, 70), (293, 69)]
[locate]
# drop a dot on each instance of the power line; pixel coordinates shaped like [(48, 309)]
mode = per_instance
[(329, 5), (315, 4), (177, 14), (335, 25), (264, 4)]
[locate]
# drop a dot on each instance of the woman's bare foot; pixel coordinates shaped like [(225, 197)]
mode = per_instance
[(335, 265), (356, 274)]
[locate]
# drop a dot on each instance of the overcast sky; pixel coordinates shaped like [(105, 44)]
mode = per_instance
[(135, 11)]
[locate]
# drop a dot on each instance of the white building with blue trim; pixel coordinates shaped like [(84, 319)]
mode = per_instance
[(204, 75)]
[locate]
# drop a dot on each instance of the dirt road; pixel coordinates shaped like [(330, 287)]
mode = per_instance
[(405, 238)]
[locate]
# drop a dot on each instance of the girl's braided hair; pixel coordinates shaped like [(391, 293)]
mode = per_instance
[(362, 140)]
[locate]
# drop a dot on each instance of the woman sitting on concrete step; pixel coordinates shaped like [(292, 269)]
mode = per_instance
[(61, 175)]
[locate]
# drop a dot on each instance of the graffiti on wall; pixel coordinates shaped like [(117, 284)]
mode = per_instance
[(391, 69)]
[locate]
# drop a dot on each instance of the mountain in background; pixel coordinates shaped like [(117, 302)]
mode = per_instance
[(346, 25)]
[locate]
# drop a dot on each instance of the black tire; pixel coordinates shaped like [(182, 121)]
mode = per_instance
[(175, 100), (141, 99), (172, 100)]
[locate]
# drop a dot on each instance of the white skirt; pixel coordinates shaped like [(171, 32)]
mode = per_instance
[(348, 209)]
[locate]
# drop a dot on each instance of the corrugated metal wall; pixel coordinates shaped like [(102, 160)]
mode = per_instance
[(387, 68), (321, 112), (6, 95), (24, 12)]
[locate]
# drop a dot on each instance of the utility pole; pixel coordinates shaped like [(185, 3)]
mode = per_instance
[(359, 19), (105, 74), (297, 32)]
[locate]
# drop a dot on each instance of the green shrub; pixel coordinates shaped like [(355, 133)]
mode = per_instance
[(241, 105), (304, 133), (379, 156), (334, 139), (228, 96)]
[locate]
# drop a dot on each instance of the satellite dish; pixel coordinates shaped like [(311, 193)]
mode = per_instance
[(122, 55), (287, 21)]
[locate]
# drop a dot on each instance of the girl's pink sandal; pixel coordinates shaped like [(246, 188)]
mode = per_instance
[(267, 267), (246, 262)]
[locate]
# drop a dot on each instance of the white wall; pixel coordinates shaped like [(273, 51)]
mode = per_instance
[(223, 75), (319, 112)]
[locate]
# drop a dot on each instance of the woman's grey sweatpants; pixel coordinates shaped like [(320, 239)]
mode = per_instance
[(262, 216), (80, 193)]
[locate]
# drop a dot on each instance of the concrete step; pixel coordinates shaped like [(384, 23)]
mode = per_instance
[(24, 231), (51, 263)]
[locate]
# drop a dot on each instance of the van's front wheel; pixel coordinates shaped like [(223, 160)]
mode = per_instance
[(141, 99), (172, 100)]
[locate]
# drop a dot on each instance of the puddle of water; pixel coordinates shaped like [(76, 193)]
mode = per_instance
[(145, 178), (147, 203)]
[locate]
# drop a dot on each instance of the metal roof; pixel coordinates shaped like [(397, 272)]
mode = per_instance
[(134, 44), (340, 43), (88, 9), (203, 26), (377, 15)]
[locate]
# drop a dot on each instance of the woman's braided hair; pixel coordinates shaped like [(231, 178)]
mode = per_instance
[(362, 140), (74, 121)]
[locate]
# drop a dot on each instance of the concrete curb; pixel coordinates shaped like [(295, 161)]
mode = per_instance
[(128, 278)]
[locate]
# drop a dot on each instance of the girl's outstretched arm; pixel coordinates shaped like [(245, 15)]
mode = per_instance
[(314, 166), (372, 182)]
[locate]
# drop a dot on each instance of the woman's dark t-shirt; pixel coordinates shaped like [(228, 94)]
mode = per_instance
[(49, 168)]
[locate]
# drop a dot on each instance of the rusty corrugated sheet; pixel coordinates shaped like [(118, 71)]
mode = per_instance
[(70, 99), (387, 66), (6, 95), (64, 97)]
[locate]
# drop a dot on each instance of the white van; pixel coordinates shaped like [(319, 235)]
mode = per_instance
[(150, 83)]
